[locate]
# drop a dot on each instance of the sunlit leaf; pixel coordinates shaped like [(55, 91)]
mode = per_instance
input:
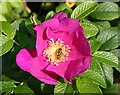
[(63, 88), (106, 58), (89, 29), (84, 9), (85, 85), (106, 11)]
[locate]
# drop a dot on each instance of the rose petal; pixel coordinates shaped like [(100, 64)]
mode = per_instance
[(39, 63), (80, 42), (79, 65), (46, 76), (24, 57), (37, 70), (60, 15), (52, 23), (60, 70), (67, 25)]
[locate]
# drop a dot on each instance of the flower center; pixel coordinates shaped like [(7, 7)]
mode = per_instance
[(56, 52)]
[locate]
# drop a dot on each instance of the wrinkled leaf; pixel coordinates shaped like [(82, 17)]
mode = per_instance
[(95, 45), (103, 24), (23, 89), (95, 73), (112, 43), (106, 11), (96, 77), (89, 29), (108, 72), (85, 85), (7, 86), (109, 38), (63, 88), (106, 58), (107, 34), (84, 9)]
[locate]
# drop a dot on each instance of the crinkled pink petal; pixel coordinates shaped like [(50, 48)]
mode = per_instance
[(52, 23), (40, 42), (77, 67), (49, 33), (60, 15), (80, 42), (60, 70), (42, 75), (67, 25), (24, 57)]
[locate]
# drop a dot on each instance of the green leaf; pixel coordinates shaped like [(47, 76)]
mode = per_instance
[(62, 7), (17, 24), (107, 34), (106, 58), (63, 88), (96, 66), (95, 74), (103, 24), (5, 44), (7, 86), (7, 34), (23, 89), (106, 11), (5, 7), (109, 38), (29, 25), (108, 72), (114, 89), (7, 29), (95, 77), (16, 3), (89, 29), (84, 9), (95, 45), (85, 85), (116, 52), (25, 33), (2, 18), (26, 41), (5, 78), (49, 15), (112, 43)]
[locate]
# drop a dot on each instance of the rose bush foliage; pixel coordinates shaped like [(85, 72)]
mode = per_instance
[(54, 56)]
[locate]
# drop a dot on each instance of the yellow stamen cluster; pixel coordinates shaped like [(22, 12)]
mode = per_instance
[(56, 52)]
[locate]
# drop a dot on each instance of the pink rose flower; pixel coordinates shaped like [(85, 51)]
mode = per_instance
[(61, 50)]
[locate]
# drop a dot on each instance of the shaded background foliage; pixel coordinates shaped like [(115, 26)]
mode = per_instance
[(101, 24)]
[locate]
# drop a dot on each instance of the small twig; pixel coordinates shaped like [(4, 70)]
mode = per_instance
[(33, 20), (16, 43)]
